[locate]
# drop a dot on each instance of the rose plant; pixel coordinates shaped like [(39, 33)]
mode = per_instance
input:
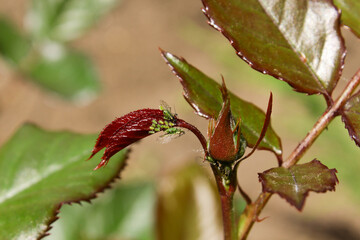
[(298, 42)]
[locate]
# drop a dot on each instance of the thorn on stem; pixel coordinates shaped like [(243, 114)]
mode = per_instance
[(261, 219)]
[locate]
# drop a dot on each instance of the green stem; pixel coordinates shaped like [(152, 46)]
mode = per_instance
[(252, 211)]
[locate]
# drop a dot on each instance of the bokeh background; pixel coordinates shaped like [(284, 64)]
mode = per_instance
[(123, 45)]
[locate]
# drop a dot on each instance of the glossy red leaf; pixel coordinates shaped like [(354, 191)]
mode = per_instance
[(297, 41), (351, 117), (126, 130), (295, 183), (137, 125)]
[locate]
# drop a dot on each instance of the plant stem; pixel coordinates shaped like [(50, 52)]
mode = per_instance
[(252, 211), (226, 191), (323, 122)]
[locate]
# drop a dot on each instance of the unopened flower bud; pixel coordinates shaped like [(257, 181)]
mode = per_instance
[(226, 143)]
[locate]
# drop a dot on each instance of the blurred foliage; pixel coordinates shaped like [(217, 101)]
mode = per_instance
[(64, 20), (182, 206), (70, 74), (188, 204), (40, 170), (42, 53), (350, 14), (125, 212), (13, 46)]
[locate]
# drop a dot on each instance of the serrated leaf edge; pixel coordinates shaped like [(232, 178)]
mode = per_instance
[(101, 189), (348, 124), (300, 206), (350, 128), (327, 95)]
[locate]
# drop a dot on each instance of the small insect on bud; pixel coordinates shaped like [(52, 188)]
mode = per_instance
[(226, 143)]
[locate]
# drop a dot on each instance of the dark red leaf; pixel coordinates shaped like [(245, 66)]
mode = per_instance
[(295, 183), (137, 125), (130, 128)]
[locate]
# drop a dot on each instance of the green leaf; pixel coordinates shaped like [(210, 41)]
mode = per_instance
[(188, 206), (128, 211), (39, 171), (64, 20), (50, 64), (204, 95), (295, 183), (65, 72), (13, 45), (295, 41), (351, 117), (350, 14)]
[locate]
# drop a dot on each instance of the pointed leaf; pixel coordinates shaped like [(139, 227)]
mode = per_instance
[(39, 171), (130, 128), (137, 125), (295, 41), (350, 14), (64, 20), (295, 183), (13, 46), (351, 117), (188, 206), (126, 212), (204, 95), (65, 72)]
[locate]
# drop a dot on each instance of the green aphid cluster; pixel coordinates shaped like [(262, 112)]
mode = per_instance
[(166, 126)]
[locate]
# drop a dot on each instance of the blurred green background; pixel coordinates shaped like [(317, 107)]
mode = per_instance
[(117, 68)]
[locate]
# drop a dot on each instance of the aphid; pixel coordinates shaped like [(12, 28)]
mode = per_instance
[(166, 125), (167, 111), (171, 134), (174, 131)]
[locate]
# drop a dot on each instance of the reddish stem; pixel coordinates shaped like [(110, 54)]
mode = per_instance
[(226, 192)]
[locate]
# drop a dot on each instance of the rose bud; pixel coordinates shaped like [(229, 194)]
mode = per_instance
[(226, 143)]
